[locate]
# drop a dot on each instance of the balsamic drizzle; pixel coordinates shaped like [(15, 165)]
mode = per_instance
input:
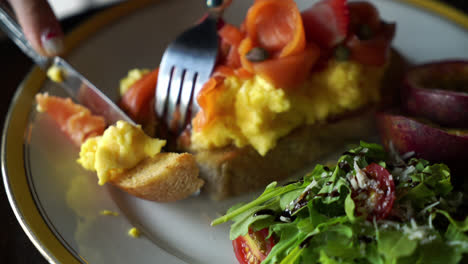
[(365, 239), (306, 242), (301, 180), (264, 212), (286, 217), (344, 166)]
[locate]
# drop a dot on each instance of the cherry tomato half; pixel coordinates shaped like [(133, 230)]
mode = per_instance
[(377, 199), (254, 247)]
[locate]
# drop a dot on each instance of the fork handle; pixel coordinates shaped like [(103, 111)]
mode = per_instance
[(217, 7)]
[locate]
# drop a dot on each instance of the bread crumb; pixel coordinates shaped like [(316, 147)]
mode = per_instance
[(134, 232), (109, 212), (55, 74)]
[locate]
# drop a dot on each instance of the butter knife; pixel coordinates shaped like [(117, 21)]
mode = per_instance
[(76, 85)]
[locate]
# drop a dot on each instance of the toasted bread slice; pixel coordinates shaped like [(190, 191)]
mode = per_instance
[(166, 177), (231, 171)]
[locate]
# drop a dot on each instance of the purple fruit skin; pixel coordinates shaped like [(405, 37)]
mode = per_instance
[(427, 142), (444, 107)]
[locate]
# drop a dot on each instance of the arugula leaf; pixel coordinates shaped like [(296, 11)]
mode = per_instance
[(317, 173), (392, 244), (349, 208), (375, 151), (293, 256), (430, 183), (288, 198), (290, 238), (339, 242), (372, 254), (243, 221), (457, 240), (460, 225), (435, 252), (270, 192)]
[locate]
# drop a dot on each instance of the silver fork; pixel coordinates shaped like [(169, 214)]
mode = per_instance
[(186, 65)]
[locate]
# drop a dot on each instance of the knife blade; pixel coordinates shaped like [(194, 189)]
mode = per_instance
[(76, 85), (84, 92)]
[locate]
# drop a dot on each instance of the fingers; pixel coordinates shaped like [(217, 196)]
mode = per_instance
[(40, 25)]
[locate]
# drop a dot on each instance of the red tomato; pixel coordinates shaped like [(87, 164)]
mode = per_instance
[(253, 248), (377, 199)]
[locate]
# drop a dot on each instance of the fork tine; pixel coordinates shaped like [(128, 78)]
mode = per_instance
[(202, 78), (186, 98), (174, 95), (162, 89), (193, 54)]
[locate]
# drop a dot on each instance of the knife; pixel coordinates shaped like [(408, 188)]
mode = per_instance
[(76, 85)]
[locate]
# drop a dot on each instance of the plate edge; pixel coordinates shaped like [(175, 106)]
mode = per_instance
[(440, 9)]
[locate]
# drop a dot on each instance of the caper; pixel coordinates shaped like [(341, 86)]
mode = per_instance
[(257, 54), (214, 3), (365, 32), (342, 53)]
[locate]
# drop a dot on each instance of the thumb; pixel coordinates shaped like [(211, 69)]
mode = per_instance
[(40, 25)]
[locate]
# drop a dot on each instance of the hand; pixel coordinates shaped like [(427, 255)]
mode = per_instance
[(40, 25)]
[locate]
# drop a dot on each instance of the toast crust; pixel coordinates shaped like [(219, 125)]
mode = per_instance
[(166, 177)]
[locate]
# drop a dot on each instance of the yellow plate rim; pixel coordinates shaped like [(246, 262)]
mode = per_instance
[(14, 177)]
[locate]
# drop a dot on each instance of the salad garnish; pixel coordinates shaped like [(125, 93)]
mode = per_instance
[(371, 207)]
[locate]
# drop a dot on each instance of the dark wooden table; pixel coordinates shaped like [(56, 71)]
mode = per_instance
[(15, 246)]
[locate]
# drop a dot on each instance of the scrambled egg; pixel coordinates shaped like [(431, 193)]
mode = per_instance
[(257, 113), (121, 147), (133, 76), (55, 74), (134, 232), (109, 213)]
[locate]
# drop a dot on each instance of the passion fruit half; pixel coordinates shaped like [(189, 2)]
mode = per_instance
[(438, 92), (425, 139)]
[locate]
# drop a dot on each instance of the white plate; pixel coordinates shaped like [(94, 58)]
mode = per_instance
[(59, 204)]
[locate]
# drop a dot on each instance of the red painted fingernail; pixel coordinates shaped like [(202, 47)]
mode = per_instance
[(52, 42)]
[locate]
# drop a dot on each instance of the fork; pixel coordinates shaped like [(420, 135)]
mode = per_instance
[(186, 65)]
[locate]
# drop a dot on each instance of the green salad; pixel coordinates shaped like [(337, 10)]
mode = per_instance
[(371, 207)]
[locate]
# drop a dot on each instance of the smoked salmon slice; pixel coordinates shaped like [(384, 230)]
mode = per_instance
[(138, 100), (371, 39), (73, 119), (276, 25), (206, 99), (230, 40), (289, 72)]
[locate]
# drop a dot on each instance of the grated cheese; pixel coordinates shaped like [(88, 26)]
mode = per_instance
[(361, 177)]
